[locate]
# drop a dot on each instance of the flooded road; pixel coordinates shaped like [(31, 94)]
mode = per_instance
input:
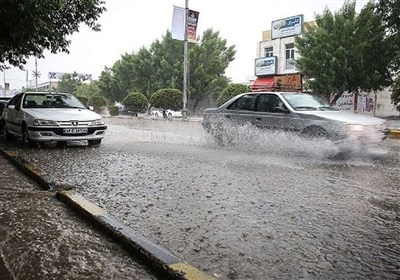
[(270, 206)]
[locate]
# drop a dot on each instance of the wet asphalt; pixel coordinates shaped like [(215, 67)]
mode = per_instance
[(271, 206)]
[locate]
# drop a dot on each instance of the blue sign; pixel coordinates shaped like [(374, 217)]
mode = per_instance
[(266, 66), (287, 27)]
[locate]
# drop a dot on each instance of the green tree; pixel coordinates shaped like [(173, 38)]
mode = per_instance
[(30, 27), (87, 90), (339, 53), (390, 11), (167, 98), (69, 83), (395, 96), (231, 91), (209, 60), (109, 87), (135, 102), (161, 66)]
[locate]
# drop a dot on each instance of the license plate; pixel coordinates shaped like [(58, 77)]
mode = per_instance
[(75, 130)]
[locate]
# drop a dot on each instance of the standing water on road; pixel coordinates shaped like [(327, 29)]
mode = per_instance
[(269, 207)]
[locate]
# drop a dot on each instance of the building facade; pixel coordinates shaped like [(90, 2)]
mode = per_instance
[(274, 66)]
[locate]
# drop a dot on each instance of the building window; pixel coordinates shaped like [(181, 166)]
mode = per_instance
[(290, 56), (269, 52)]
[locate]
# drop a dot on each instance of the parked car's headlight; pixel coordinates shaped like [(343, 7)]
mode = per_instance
[(355, 127), (97, 122), (44, 122)]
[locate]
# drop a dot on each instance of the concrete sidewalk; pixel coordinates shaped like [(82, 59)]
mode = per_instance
[(41, 238)]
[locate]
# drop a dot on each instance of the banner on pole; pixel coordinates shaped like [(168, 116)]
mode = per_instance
[(193, 18), (178, 24)]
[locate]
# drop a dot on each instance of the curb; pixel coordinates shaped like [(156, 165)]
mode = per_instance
[(160, 259), (394, 133), (156, 256), (33, 172)]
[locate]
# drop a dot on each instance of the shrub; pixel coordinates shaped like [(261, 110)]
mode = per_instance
[(167, 98), (395, 96), (231, 91), (97, 101), (135, 102), (114, 111)]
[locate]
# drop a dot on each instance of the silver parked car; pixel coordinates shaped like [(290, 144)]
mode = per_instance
[(300, 113), (43, 117)]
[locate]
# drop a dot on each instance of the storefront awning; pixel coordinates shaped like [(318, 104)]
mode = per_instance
[(263, 84)]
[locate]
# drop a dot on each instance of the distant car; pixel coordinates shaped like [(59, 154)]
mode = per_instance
[(300, 113), (159, 113), (43, 117), (156, 113), (3, 103)]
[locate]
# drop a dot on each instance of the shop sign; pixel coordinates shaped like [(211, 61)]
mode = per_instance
[(266, 66), (287, 27)]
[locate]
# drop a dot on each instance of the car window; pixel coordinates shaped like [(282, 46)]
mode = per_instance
[(51, 101), (13, 100), (307, 102), (269, 103), (16, 101), (246, 102)]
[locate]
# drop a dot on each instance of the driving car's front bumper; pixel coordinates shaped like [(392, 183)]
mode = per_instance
[(44, 134)]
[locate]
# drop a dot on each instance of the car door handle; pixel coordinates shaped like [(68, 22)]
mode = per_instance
[(258, 119)]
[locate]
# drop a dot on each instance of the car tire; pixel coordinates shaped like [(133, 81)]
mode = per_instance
[(94, 142), (25, 137)]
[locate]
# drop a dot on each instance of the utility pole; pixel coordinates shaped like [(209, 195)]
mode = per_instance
[(4, 78), (185, 62), (36, 74)]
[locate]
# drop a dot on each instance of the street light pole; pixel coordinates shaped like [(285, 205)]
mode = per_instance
[(185, 62)]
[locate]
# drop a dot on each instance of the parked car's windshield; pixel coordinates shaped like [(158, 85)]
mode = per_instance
[(306, 102), (51, 101)]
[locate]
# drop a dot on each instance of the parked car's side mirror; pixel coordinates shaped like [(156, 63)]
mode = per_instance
[(91, 108), (11, 107)]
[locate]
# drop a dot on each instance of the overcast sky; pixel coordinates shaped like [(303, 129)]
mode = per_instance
[(128, 25)]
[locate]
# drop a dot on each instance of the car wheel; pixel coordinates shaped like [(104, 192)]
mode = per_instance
[(94, 142), (314, 132), (25, 137)]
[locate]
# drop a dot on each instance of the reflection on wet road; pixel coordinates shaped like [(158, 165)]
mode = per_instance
[(271, 206)]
